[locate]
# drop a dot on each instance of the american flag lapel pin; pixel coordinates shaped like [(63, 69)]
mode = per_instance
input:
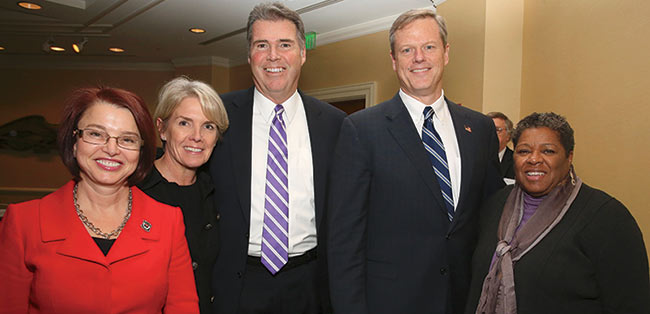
[(468, 129)]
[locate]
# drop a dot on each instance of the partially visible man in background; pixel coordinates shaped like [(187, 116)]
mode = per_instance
[(504, 132)]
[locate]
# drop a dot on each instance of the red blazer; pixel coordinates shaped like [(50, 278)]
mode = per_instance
[(50, 264)]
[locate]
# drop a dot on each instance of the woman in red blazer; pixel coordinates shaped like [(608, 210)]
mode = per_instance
[(98, 244)]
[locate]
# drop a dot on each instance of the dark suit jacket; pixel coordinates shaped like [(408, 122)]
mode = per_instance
[(230, 166), (50, 264), (391, 246), (593, 261), (507, 165), (201, 225)]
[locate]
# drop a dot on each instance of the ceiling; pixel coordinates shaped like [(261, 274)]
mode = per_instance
[(157, 31)]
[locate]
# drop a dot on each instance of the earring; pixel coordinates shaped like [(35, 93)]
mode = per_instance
[(573, 179)]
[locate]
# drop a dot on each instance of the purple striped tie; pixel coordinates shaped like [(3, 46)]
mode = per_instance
[(275, 235)]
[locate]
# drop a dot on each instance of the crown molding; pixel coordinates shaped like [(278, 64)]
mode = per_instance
[(85, 65), (354, 31), (358, 30), (238, 61), (201, 61)]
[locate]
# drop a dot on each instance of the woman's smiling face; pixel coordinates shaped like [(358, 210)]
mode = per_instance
[(541, 162)]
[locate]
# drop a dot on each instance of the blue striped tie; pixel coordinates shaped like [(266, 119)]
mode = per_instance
[(275, 234), (436, 151)]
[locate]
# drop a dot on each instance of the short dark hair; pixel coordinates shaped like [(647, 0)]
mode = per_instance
[(502, 116), (550, 120), (275, 11), (84, 98)]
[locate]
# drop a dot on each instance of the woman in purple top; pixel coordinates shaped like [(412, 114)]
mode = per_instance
[(551, 244)]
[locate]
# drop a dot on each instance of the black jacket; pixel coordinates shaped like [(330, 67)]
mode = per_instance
[(201, 226), (593, 261), (391, 246), (507, 164)]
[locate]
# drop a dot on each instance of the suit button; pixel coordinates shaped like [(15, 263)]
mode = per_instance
[(443, 270), (246, 235), (208, 226), (195, 265), (238, 274), (212, 299), (218, 216)]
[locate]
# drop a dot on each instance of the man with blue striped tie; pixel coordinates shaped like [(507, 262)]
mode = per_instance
[(408, 179), (270, 172)]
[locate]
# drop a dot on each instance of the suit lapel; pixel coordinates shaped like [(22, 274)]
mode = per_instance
[(240, 135), (506, 162), (463, 128), (400, 126), (134, 239), (59, 222), (316, 127)]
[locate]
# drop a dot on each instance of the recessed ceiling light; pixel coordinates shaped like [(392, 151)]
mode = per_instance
[(2, 48), (29, 5), (116, 49), (57, 48), (197, 30)]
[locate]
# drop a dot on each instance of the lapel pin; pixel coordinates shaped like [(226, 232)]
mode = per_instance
[(468, 129), (146, 226)]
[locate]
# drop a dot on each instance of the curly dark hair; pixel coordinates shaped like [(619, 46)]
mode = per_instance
[(549, 120)]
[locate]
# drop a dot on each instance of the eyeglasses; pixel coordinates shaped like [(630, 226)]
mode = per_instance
[(99, 137), (499, 130)]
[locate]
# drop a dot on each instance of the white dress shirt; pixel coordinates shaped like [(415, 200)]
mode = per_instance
[(444, 125), (302, 214), (501, 154)]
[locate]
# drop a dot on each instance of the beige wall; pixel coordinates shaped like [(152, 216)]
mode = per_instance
[(217, 76), (201, 73), (504, 23), (352, 61), (588, 60), (240, 77), (463, 80), (220, 79)]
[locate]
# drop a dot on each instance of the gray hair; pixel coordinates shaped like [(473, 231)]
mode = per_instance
[(275, 11), (173, 93), (502, 116), (412, 15), (549, 120)]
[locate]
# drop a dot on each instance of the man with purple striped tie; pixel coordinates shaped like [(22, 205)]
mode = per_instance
[(408, 178), (270, 172)]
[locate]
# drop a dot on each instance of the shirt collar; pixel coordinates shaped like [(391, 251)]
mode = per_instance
[(416, 108), (502, 153), (266, 106)]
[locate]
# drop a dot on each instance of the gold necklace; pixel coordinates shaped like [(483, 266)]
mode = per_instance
[(90, 225)]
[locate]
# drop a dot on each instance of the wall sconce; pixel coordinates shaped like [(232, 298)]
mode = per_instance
[(47, 44)]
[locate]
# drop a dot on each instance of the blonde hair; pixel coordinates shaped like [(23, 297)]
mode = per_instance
[(173, 93)]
